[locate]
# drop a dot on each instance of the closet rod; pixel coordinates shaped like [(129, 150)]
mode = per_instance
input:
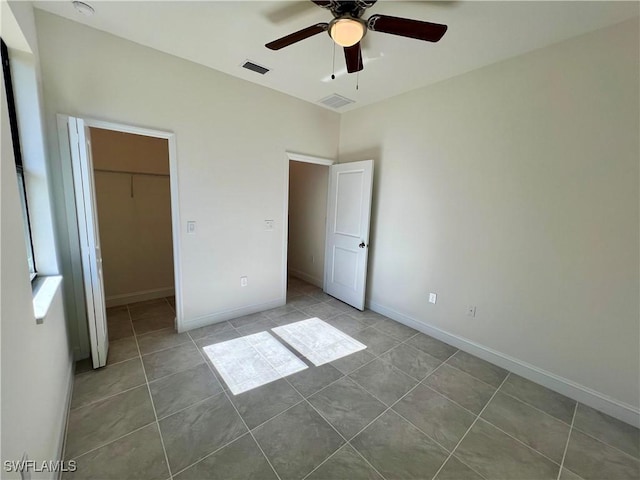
[(131, 173)]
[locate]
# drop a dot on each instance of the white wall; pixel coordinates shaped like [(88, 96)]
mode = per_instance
[(514, 188), (35, 359), (231, 142), (308, 184)]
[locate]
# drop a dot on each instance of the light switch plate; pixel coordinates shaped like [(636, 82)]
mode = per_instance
[(191, 227)]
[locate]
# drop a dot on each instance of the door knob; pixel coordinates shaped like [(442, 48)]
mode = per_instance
[(362, 245)]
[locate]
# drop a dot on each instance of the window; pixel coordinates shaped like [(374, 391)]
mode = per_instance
[(22, 189)]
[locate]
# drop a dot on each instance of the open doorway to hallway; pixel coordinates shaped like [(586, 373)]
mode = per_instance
[(308, 187)]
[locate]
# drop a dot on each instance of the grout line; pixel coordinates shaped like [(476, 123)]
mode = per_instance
[(325, 461), (115, 439), (166, 348), (520, 441), (153, 406), (637, 459), (377, 417), (93, 371), (566, 446), (106, 397), (470, 426), (341, 436), (536, 408), (473, 376), (190, 405), (237, 412), (367, 461), (212, 453), (449, 399)]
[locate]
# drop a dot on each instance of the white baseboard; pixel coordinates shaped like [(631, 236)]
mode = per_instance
[(65, 415), (318, 282), (229, 314), (620, 410), (126, 298)]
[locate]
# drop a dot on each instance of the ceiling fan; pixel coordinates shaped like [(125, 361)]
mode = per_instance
[(347, 29)]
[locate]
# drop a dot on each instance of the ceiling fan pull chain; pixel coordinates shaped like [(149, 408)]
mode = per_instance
[(333, 65), (358, 72)]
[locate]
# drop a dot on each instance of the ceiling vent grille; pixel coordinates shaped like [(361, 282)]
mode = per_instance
[(336, 101), (254, 67)]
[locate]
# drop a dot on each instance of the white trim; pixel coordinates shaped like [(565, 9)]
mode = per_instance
[(141, 296), (218, 317), (43, 298), (175, 198), (318, 282), (620, 410), (299, 157), (62, 439), (73, 299), (296, 157)]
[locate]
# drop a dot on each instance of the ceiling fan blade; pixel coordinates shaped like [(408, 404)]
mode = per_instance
[(288, 11), (353, 57), (297, 36), (405, 27), (322, 3)]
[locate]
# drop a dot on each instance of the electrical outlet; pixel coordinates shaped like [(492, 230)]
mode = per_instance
[(191, 227), (268, 225), (244, 281), (432, 298), (471, 311)]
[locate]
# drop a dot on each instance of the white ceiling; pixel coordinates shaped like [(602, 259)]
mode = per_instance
[(223, 34)]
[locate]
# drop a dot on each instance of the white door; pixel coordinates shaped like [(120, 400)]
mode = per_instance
[(347, 245), (80, 145)]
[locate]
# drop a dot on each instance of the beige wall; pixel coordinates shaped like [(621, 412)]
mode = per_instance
[(112, 150), (231, 139), (514, 188), (308, 184), (134, 213)]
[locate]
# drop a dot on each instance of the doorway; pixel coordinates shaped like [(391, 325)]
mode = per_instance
[(328, 210), (308, 188), (133, 199), (125, 183)]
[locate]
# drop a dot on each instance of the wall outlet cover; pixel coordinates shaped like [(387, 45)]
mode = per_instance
[(432, 298), (244, 281)]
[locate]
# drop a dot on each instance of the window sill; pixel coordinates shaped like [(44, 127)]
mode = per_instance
[(44, 290)]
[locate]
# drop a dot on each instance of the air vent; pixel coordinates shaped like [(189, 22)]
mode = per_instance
[(336, 101), (254, 67)]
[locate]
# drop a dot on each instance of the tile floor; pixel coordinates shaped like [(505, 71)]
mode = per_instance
[(409, 406)]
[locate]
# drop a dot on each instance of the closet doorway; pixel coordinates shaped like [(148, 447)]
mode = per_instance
[(124, 196), (133, 199)]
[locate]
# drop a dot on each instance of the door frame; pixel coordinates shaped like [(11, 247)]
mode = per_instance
[(295, 157), (174, 189)]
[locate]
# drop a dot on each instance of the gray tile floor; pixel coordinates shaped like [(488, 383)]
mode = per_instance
[(409, 406)]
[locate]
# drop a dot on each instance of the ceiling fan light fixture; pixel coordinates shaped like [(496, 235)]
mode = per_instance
[(347, 31)]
